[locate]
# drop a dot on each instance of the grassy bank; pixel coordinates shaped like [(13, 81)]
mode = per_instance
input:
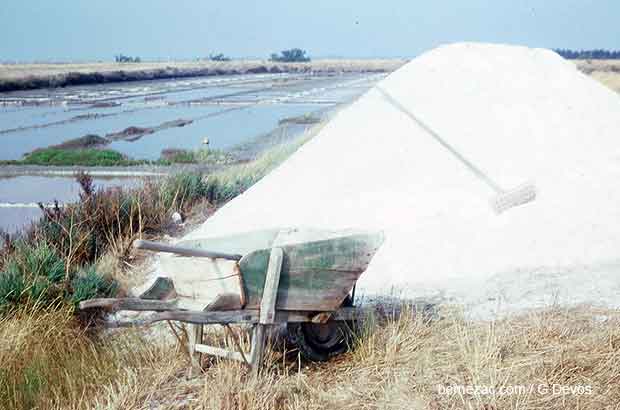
[(87, 150), (97, 157), (81, 157), (171, 156), (32, 76)]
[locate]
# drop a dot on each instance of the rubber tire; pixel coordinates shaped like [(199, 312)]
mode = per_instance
[(337, 337)]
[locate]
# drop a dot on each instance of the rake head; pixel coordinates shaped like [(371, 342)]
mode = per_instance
[(514, 197)]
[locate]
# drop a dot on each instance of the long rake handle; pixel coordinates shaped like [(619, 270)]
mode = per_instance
[(477, 171), (178, 250)]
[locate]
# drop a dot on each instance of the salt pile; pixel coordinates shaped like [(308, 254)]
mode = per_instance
[(519, 114)]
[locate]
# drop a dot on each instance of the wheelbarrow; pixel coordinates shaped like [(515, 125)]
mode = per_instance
[(299, 277)]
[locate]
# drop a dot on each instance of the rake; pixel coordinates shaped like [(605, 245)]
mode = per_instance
[(504, 199)]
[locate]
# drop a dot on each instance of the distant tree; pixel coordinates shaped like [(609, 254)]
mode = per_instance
[(121, 58), (294, 55), (598, 54), (218, 57)]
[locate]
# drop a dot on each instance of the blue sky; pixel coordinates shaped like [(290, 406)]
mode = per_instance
[(156, 29)]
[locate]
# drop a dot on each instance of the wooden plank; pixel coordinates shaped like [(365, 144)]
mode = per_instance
[(178, 250), (162, 288), (194, 317), (193, 278), (226, 301), (201, 281), (267, 308), (258, 347), (315, 275), (195, 354), (270, 291), (136, 304), (241, 317), (169, 311), (322, 317), (219, 352)]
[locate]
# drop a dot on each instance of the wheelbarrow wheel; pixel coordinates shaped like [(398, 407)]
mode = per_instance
[(319, 342)]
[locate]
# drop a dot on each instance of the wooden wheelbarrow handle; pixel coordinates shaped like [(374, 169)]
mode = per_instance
[(160, 247)]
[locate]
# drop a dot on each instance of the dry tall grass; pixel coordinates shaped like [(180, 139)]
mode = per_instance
[(49, 362), (21, 71), (605, 71), (610, 79), (527, 362)]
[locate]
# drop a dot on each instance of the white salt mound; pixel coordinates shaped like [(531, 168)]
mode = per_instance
[(519, 114)]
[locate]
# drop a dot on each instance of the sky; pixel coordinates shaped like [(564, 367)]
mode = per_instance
[(85, 30)]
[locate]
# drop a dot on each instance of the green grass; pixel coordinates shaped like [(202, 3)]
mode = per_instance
[(94, 157), (84, 157), (77, 152), (37, 273), (179, 157), (202, 156), (55, 259), (225, 185), (88, 284), (212, 156)]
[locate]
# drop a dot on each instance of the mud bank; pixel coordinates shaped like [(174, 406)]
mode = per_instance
[(9, 171), (17, 77)]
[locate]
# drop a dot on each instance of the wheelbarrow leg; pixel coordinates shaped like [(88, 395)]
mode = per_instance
[(258, 347), (267, 309), (195, 356)]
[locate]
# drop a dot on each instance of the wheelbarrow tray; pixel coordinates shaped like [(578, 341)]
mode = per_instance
[(316, 274)]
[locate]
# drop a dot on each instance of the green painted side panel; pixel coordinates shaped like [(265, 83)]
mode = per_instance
[(315, 275), (253, 271)]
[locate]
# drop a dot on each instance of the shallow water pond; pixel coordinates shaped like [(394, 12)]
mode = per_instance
[(19, 196), (261, 100)]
